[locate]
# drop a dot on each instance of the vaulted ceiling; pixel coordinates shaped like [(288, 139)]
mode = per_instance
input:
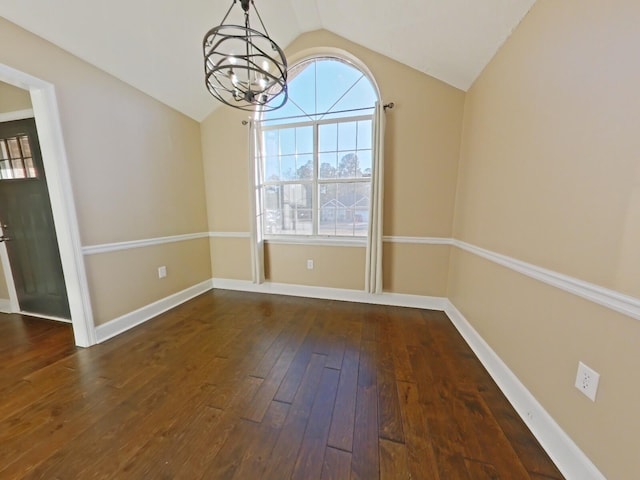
[(156, 45)]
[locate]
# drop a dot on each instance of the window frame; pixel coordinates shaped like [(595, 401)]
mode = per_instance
[(315, 182), (315, 120)]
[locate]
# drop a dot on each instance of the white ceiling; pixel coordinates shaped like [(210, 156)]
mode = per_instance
[(156, 45)]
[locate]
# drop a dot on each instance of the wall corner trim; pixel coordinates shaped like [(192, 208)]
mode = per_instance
[(567, 456), (132, 319)]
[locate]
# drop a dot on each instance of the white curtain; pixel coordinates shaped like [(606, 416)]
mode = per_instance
[(373, 271), (257, 237)]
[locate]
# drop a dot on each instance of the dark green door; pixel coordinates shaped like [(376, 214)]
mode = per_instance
[(27, 222)]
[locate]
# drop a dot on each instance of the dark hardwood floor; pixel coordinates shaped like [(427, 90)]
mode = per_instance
[(247, 386)]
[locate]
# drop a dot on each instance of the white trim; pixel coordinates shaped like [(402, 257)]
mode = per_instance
[(229, 234), (319, 241), (14, 305), (54, 157), (147, 242), (358, 296), (46, 317), (567, 456), (5, 305), (612, 299), (299, 240), (132, 319), (617, 301), (16, 115), (418, 240)]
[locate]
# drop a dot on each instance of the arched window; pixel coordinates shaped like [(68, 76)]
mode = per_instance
[(315, 155)]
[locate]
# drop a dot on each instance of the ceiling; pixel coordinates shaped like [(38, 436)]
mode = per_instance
[(156, 45)]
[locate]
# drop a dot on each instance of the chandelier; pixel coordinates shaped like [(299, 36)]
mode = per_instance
[(243, 67)]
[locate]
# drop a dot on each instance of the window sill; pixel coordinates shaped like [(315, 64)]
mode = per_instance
[(316, 241)]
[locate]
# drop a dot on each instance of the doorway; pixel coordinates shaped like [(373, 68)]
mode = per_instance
[(47, 117), (26, 220)]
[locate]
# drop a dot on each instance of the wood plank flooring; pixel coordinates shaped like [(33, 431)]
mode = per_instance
[(234, 385)]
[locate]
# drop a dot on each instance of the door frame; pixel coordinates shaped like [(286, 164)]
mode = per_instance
[(54, 157)]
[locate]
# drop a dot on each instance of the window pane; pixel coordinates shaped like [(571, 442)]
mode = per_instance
[(302, 89), (328, 137), (14, 149), (287, 141), (4, 151), (5, 170), (18, 168), (31, 169), (347, 136), (361, 226), (364, 134), (364, 163), (288, 167), (344, 209), (288, 209), (305, 167), (362, 95), (270, 143), (328, 207), (348, 165), (26, 149), (272, 168), (328, 165), (304, 139), (334, 79)]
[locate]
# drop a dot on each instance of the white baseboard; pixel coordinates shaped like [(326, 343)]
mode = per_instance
[(567, 456), (128, 321), (359, 296), (46, 317), (5, 305)]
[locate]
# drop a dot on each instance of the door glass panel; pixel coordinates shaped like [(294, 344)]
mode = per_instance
[(24, 143), (14, 148), (18, 168), (31, 168), (15, 159)]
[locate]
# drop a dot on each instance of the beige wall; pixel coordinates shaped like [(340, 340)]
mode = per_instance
[(416, 269), (422, 150), (550, 175), (288, 264), (13, 99), (136, 172), (122, 274)]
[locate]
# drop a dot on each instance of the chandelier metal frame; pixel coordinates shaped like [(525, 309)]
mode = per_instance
[(244, 67)]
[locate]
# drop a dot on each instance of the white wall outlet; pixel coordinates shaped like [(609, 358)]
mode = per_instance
[(587, 381), (309, 264), (162, 271)]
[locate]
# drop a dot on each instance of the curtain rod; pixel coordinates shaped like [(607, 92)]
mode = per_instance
[(386, 106)]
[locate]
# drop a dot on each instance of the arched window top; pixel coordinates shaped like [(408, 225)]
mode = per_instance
[(325, 87)]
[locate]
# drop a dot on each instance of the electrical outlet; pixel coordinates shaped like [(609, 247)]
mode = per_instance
[(162, 271), (587, 381), (309, 264)]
